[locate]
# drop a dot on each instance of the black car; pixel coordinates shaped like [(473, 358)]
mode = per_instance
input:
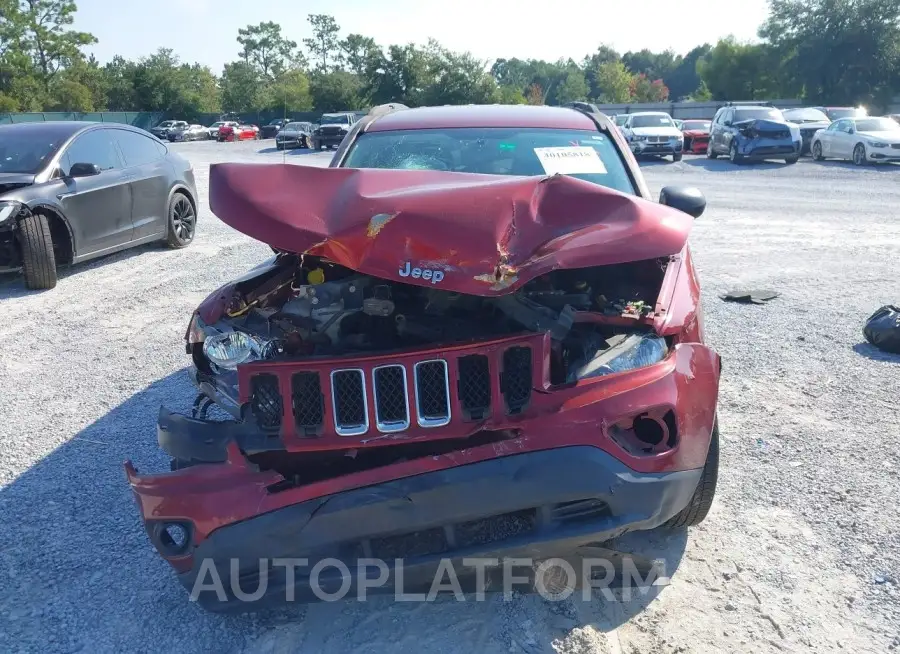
[(269, 131), (72, 191), (810, 120)]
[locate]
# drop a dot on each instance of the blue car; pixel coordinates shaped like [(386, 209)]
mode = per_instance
[(745, 132)]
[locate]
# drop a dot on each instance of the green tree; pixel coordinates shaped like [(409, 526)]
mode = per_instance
[(684, 78), (336, 91), (457, 78), (241, 88), (324, 44), (840, 51), (739, 71), (534, 95), (643, 89), (573, 87), (119, 83), (264, 48), (359, 52), (511, 95), (47, 38), (291, 91), (403, 75), (614, 82)]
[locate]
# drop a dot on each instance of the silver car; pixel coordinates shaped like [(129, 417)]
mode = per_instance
[(861, 140), (189, 133), (294, 135)]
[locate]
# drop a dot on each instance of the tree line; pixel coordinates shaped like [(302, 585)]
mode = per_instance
[(825, 51)]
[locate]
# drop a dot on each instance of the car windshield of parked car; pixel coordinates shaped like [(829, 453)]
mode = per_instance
[(335, 120), (621, 119), (805, 116), (655, 120), (166, 123), (493, 151), (277, 121), (757, 113), (26, 154), (698, 125), (877, 125), (294, 127)]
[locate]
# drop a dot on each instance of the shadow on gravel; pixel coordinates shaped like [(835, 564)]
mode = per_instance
[(293, 152), (886, 167), (719, 165), (12, 285), (869, 351), (81, 573)]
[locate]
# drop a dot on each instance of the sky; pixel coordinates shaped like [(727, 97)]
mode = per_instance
[(204, 31)]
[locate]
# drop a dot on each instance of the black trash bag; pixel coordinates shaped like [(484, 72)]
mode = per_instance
[(883, 329)]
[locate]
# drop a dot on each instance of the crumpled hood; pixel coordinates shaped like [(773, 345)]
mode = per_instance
[(766, 125), (13, 181), (477, 234)]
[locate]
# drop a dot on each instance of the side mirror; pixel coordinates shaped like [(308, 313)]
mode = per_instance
[(84, 170), (852, 130), (684, 198), (727, 123)]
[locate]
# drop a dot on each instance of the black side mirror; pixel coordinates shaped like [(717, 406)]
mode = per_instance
[(84, 170), (684, 198)]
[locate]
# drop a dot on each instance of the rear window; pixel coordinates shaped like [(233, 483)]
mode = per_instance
[(805, 116), (757, 113), (587, 155)]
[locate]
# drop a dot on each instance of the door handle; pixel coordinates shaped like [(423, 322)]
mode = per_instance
[(60, 196)]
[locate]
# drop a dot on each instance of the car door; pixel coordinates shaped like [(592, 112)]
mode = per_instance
[(715, 131), (826, 138), (148, 174), (98, 207), (840, 141)]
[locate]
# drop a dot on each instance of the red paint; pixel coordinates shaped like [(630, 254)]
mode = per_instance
[(215, 495), (239, 133), (488, 234)]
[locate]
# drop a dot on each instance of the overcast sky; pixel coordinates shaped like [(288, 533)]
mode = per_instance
[(205, 30)]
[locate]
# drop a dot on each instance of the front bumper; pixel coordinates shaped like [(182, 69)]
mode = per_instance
[(760, 149), (661, 149), (696, 144), (535, 505), (329, 139), (888, 154)]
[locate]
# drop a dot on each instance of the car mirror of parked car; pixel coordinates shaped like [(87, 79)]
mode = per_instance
[(84, 170), (684, 198)]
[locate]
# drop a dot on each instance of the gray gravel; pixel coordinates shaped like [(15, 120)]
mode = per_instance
[(800, 553)]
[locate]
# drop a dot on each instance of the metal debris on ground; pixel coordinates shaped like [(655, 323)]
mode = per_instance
[(750, 297)]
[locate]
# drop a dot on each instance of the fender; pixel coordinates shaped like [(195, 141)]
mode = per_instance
[(41, 204)]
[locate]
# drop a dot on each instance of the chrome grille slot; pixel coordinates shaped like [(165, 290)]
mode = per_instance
[(391, 405), (348, 400), (432, 393)]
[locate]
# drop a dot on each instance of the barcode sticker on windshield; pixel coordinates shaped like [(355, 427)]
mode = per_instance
[(572, 160)]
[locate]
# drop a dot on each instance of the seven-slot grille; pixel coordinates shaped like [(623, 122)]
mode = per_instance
[(324, 399)]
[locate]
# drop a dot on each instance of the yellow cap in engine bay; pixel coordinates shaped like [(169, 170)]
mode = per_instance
[(315, 276)]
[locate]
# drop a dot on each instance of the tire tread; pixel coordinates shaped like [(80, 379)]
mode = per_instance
[(38, 259)]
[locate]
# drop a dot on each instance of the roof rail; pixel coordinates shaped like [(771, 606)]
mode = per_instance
[(750, 103), (382, 109)]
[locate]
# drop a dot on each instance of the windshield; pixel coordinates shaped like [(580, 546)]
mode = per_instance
[(587, 155), (166, 123), (297, 127), (805, 116), (757, 114), (620, 119), (877, 125), (846, 112), (218, 124), (277, 121), (696, 124), (26, 154), (335, 120), (655, 120)]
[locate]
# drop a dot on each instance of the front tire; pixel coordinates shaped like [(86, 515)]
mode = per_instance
[(859, 155), (702, 499), (817, 152), (710, 153), (677, 157), (791, 160), (733, 155), (38, 260), (182, 222)]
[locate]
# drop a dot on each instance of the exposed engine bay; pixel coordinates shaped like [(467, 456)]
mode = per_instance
[(308, 307)]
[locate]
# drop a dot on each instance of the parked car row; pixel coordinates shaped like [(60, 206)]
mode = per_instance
[(746, 132)]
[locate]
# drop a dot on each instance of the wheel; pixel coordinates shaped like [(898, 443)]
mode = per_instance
[(182, 222), (316, 145), (279, 146), (817, 152), (677, 157), (791, 160), (733, 154), (38, 260), (859, 154), (304, 142), (702, 499), (710, 153)]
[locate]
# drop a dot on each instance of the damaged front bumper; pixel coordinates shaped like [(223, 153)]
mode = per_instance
[(563, 478)]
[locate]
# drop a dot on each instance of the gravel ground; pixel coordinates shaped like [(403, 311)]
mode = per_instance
[(801, 552)]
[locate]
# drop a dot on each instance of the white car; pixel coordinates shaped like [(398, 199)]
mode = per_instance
[(861, 140), (653, 132)]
